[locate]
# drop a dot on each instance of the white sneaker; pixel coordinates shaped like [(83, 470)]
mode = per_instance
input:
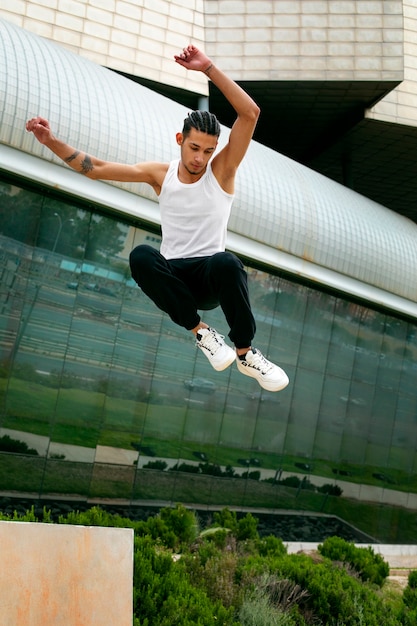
[(269, 376), (216, 350)]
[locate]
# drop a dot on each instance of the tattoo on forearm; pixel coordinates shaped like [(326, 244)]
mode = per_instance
[(72, 157), (86, 165)]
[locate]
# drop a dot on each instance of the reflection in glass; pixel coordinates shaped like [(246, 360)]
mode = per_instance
[(103, 396)]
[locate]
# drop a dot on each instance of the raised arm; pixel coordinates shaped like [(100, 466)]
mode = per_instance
[(226, 162), (92, 167)]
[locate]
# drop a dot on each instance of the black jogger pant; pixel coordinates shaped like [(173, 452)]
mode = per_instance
[(180, 287)]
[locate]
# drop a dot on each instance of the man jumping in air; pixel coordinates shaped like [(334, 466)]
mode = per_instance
[(193, 271)]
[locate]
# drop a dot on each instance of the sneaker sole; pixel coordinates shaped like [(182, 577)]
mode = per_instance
[(264, 384)]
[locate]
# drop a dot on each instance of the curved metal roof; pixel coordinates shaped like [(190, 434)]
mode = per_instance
[(284, 213)]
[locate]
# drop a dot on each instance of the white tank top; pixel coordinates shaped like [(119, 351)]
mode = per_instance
[(194, 216)]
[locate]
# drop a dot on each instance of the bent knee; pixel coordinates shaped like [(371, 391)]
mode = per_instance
[(141, 255), (229, 262)]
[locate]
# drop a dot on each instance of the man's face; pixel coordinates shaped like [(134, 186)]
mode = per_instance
[(196, 149)]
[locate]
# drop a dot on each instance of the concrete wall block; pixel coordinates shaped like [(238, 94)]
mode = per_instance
[(313, 64), (285, 34), (124, 39), (412, 75), (314, 34), (160, 6), (394, 7), (254, 63), (370, 35), (14, 18), (339, 50), (182, 13), (126, 24), (393, 21), (100, 31), (67, 37), (95, 45), (233, 21), (198, 35), (370, 6), (117, 51), (50, 4), (146, 60), (341, 35), (285, 49), (368, 49), (211, 7), (261, 20), (40, 14), (226, 35), (392, 64), (128, 9), (106, 5), (342, 7), (289, 7), (233, 64), (153, 33), (155, 18), (98, 16), (73, 7), (411, 48), (14, 7), (260, 35), (368, 63), (262, 50), (153, 47), (392, 49), (42, 29), (230, 6), (341, 64), (286, 21), (341, 21), (180, 28), (281, 64), (369, 21), (314, 21), (313, 49), (259, 6), (177, 40), (69, 22), (397, 35), (226, 50), (315, 6)]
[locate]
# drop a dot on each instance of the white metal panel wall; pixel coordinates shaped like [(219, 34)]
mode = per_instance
[(290, 212)]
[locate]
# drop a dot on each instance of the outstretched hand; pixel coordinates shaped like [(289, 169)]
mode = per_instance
[(193, 59), (39, 126)]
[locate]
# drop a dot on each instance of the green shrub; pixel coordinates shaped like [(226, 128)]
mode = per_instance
[(271, 546), (412, 579), (334, 597), (331, 490), (7, 444), (370, 566), (164, 594), (259, 611), (410, 592), (157, 465), (243, 528)]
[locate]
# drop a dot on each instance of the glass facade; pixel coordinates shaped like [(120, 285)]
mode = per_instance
[(102, 396)]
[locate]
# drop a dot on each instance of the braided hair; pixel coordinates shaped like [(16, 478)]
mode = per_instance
[(203, 121)]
